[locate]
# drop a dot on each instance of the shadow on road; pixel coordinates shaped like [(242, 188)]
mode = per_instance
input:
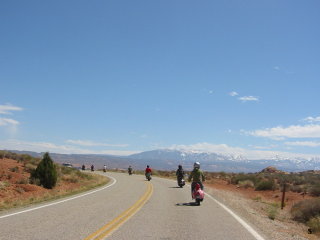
[(189, 204), (174, 187)]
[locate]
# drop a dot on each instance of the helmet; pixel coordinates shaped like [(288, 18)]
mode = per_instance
[(179, 166), (196, 165), (147, 166)]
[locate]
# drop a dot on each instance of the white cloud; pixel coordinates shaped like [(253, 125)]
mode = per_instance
[(312, 119), (8, 122), (295, 131), (263, 147), (10, 125), (6, 109), (248, 98), (237, 151), (276, 68), (303, 144), (233, 94), (210, 92), (92, 143), (54, 148)]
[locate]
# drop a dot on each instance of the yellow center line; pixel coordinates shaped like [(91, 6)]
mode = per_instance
[(113, 225)]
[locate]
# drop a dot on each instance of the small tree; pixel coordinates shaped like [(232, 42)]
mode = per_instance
[(46, 172)]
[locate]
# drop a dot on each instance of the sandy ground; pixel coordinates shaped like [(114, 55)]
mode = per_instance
[(255, 207)]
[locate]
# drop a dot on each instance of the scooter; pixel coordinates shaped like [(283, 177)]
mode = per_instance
[(148, 176), (198, 194), (181, 182)]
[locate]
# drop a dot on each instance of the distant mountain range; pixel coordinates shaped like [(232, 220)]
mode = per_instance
[(170, 159)]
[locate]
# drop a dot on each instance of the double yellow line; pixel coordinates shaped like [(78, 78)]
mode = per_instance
[(110, 227)]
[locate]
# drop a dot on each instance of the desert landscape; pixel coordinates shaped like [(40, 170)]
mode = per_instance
[(261, 208)]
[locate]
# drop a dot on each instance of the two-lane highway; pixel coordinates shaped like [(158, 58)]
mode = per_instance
[(131, 208)]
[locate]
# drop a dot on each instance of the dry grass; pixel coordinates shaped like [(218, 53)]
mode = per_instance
[(16, 191), (28, 196)]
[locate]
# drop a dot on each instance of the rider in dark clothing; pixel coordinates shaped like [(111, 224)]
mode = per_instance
[(180, 173)]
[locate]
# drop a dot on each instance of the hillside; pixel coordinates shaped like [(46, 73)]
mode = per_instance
[(16, 188)]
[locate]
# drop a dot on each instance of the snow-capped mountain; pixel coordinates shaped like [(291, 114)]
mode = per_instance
[(164, 159)]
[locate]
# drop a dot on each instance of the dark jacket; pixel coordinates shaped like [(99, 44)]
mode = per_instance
[(180, 172)]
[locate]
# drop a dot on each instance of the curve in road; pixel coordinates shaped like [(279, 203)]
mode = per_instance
[(164, 213)]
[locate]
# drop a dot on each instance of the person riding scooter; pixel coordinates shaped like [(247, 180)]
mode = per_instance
[(104, 168), (180, 176), (148, 173), (130, 170), (196, 176)]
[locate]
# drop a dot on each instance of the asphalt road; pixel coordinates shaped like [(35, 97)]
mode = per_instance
[(165, 213)]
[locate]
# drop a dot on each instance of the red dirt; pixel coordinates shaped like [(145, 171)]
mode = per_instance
[(14, 185), (20, 190), (268, 196)]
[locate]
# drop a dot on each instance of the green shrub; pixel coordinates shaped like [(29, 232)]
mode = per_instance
[(4, 184), (66, 170), (34, 181), (314, 224), (299, 180), (30, 167), (297, 188), (272, 212), (246, 184), (242, 177), (72, 178), (265, 185), (315, 190), (84, 175), (306, 210), (19, 190), (257, 199), (14, 169), (22, 181), (222, 175), (46, 172)]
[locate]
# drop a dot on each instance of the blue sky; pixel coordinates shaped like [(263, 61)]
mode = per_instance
[(117, 77)]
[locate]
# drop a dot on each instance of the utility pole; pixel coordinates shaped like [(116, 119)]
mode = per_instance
[(283, 194)]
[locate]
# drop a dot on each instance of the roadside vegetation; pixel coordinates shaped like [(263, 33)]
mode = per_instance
[(25, 180), (303, 184), (306, 184)]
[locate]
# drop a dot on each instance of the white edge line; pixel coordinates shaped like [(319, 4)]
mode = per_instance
[(240, 220), (62, 201)]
